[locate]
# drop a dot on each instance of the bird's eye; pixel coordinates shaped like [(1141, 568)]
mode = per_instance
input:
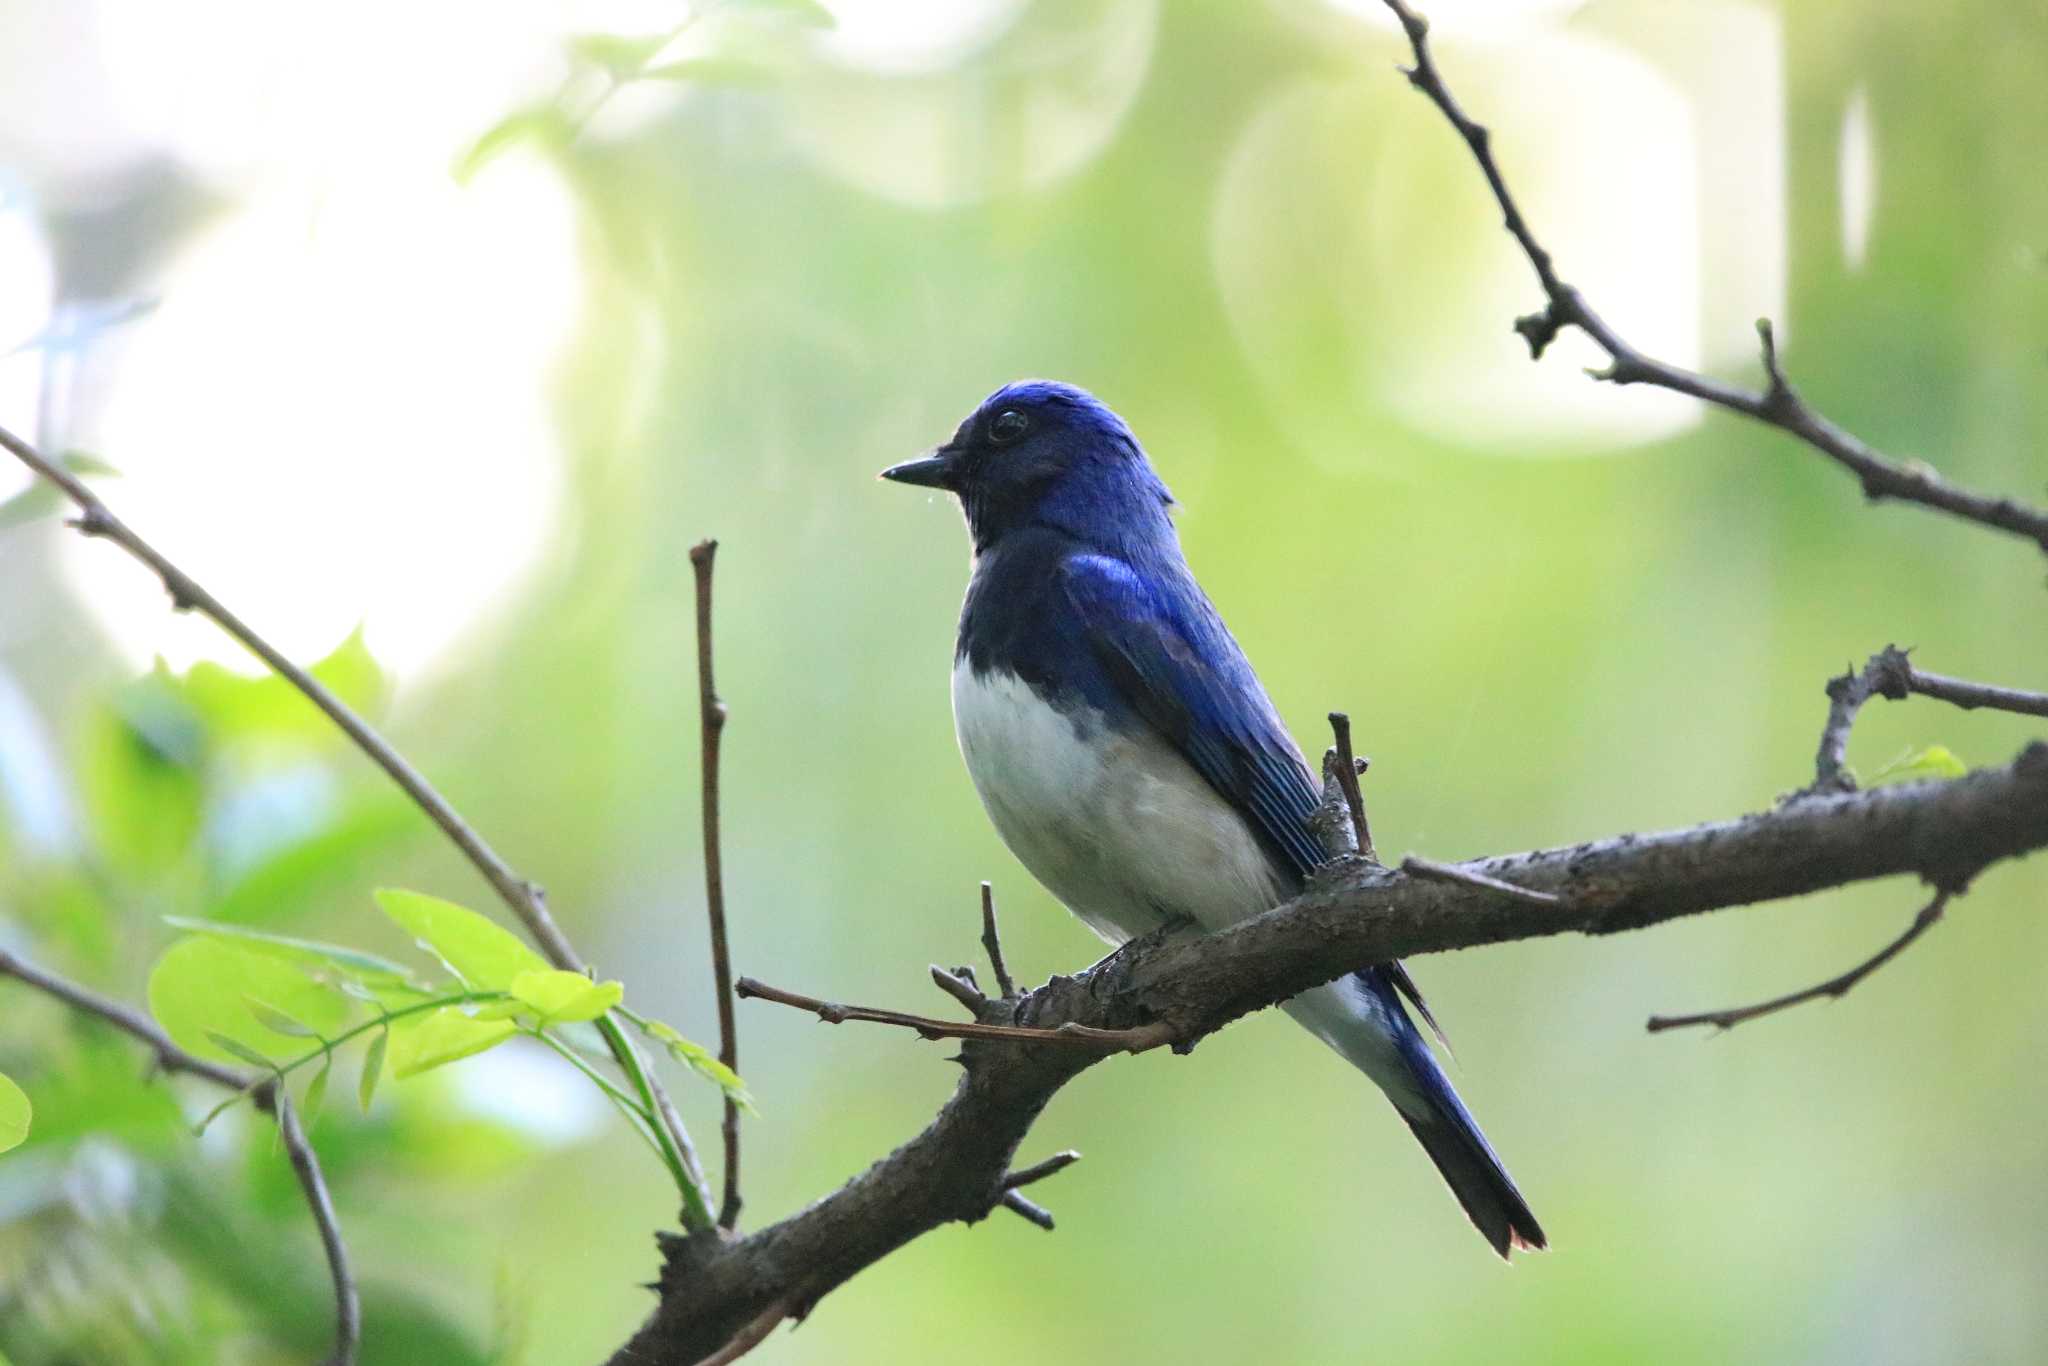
[(1007, 426)]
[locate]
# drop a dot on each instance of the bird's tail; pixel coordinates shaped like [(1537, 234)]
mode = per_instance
[(1362, 1019)]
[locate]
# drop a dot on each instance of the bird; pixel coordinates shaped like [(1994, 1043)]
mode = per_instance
[(1127, 754)]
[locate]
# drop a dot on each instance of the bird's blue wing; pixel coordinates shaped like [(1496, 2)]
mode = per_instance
[(1174, 663)]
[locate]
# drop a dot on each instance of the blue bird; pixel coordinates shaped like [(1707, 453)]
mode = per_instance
[(1125, 750)]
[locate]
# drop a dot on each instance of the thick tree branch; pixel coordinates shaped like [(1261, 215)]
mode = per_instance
[(712, 713), (524, 899), (1835, 987), (1353, 914), (264, 1093), (1779, 405)]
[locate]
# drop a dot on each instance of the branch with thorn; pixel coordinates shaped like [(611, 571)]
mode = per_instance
[(265, 1093), (1779, 405)]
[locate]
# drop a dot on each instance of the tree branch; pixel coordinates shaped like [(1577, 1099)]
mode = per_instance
[(1780, 405), (524, 899), (1890, 673), (1352, 915), (712, 713), (1835, 987), (264, 1093)]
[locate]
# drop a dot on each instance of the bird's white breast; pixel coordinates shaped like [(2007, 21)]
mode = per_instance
[(1120, 828)]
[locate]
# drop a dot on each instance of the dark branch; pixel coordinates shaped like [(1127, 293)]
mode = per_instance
[(1835, 987), (1348, 768), (1890, 673), (712, 713), (264, 1093), (1780, 405), (524, 899), (1070, 1034), (1352, 915)]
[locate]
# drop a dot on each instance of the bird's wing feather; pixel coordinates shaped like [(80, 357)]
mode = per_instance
[(1171, 658), (1177, 665)]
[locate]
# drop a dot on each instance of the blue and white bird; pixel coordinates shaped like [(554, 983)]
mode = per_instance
[(1127, 753)]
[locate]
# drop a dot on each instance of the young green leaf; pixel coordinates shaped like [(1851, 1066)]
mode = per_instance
[(198, 988), (543, 125), (367, 969), (433, 1039), (15, 1113), (617, 54), (703, 1062), (559, 997), (235, 1048), (271, 1018), (373, 1068), (1935, 761), (316, 1092), (807, 13), (483, 956)]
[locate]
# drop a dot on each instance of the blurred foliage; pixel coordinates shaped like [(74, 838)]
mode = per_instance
[(1237, 225)]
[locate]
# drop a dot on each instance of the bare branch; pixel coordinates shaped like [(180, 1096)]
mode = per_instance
[(264, 1093), (523, 898), (1103, 1041), (1416, 866), (1353, 914), (1835, 987), (1349, 767), (1779, 406), (959, 986), (1038, 1171), (1020, 1204), (712, 714), (993, 942), (1890, 673)]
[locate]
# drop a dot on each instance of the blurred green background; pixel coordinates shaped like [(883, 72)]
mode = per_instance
[(484, 414)]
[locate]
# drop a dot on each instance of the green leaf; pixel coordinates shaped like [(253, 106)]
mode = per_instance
[(271, 1018), (542, 125), (442, 1036), (340, 853), (197, 990), (266, 708), (703, 1062), (140, 772), (234, 1047), (617, 54), (373, 1069), (365, 968), (316, 1093), (482, 955), (558, 997), (1935, 761), (15, 1113)]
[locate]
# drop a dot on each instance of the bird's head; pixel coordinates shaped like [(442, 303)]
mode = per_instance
[(1049, 453)]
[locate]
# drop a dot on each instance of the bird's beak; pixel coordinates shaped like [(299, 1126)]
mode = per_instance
[(935, 470)]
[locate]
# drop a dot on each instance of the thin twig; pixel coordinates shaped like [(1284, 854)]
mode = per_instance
[(712, 713), (264, 1094), (1416, 866), (524, 899), (1779, 406), (1349, 766), (993, 942), (1136, 1040), (1890, 674), (1038, 1171), (1835, 987), (749, 1337), (1019, 1203), (959, 988)]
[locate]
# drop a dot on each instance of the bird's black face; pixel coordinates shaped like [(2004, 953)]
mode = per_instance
[(1012, 449)]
